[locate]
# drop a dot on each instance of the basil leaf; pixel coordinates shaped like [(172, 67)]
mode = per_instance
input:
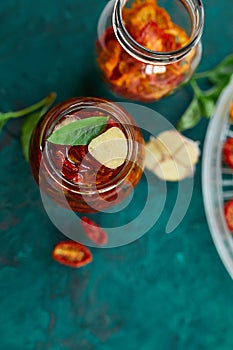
[(222, 71), (203, 101), (80, 132), (206, 105), (30, 123), (216, 90), (2, 123), (191, 116), (26, 131), (4, 117)]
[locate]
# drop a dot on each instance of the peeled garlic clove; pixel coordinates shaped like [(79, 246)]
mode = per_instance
[(171, 141), (109, 148), (188, 155), (170, 170), (153, 154), (160, 146), (171, 156)]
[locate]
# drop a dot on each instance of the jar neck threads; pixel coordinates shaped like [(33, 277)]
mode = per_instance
[(195, 10)]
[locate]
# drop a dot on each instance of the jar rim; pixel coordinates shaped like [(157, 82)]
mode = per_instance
[(132, 47), (60, 110)]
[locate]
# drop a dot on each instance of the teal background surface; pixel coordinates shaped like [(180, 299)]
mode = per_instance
[(162, 292)]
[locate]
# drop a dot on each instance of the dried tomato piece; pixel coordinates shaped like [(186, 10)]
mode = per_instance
[(151, 37), (170, 78), (154, 38), (179, 34), (162, 18), (109, 51), (169, 42), (70, 170), (109, 58), (72, 254), (76, 154), (139, 15), (228, 152), (231, 110), (112, 123), (228, 213), (108, 36), (127, 68), (93, 231)]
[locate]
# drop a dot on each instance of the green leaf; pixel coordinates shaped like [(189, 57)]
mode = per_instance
[(38, 105), (47, 101), (80, 132), (30, 123), (4, 117), (206, 105), (191, 116), (26, 131), (204, 101), (2, 123), (216, 90), (222, 71)]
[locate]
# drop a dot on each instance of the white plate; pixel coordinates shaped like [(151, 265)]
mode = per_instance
[(217, 179)]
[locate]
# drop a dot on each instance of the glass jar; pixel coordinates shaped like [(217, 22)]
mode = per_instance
[(146, 49), (70, 173)]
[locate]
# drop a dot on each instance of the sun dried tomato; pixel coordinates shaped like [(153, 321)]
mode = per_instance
[(228, 213), (154, 38), (72, 254), (179, 34), (162, 18), (139, 15), (231, 110), (94, 232), (109, 58), (228, 152), (112, 123)]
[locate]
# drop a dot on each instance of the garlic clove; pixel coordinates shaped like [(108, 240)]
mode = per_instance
[(109, 148), (171, 141), (170, 170), (153, 154), (171, 156), (188, 155)]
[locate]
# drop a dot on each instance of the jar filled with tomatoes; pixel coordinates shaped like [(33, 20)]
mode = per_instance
[(87, 152), (146, 49)]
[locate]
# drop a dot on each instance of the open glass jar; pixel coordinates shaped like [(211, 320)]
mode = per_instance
[(70, 174), (146, 49)]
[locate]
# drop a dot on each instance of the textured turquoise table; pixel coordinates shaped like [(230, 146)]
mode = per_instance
[(162, 292)]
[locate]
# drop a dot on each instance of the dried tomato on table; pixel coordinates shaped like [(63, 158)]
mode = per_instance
[(72, 254), (93, 231)]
